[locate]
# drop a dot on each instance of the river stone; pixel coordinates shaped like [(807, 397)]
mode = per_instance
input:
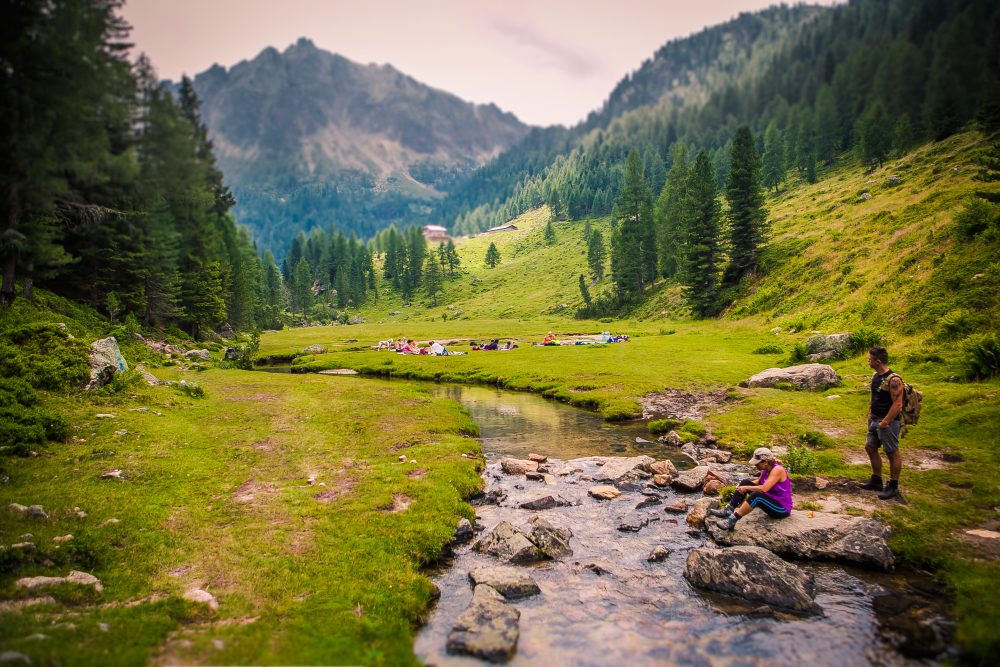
[(673, 438), (105, 360), (722, 476), (509, 544), (538, 458), (814, 377), (658, 554), (712, 487), (487, 629), (633, 522), (510, 582), (605, 492), (463, 531), (699, 511), (198, 355), (545, 503), (677, 507), (662, 480), (315, 349), (617, 467), (720, 455), (518, 466), (813, 535), (551, 541), (690, 480), (665, 467), (752, 573), (649, 502)]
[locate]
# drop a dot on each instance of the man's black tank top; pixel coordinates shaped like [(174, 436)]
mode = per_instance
[(881, 400)]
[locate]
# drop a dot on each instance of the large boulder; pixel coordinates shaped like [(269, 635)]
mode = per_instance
[(508, 544), (699, 512), (518, 466), (487, 629), (315, 349), (616, 468), (105, 360), (813, 535), (824, 347), (691, 480), (754, 574), (198, 355), (510, 582), (814, 377)]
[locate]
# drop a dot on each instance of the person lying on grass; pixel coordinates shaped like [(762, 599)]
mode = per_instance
[(550, 339), (772, 493)]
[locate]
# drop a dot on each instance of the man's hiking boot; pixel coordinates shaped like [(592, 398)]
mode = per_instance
[(874, 484), (721, 513), (891, 491)]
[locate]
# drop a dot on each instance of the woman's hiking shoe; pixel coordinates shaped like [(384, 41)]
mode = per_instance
[(730, 521), (874, 484), (722, 513), (891, 491)]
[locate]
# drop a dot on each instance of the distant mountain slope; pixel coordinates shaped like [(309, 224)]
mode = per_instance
[(306, 137)]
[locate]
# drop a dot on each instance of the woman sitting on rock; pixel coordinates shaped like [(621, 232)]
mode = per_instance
[(772, 492)]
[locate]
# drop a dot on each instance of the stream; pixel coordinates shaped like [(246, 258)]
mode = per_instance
[(605, 604)]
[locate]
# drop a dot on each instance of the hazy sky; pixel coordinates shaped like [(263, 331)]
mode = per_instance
[(548, 61)]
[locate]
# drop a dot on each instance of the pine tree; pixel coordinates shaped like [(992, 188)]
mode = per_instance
[(202, 294), (492, 255), (595, 254), (700, 267), (747, 215), (774, 156), (633, 245), (301, 287), (584, 292), (451, 258), (550, 234), (669, 213), (432, 279), (587, 227), (875, 135)]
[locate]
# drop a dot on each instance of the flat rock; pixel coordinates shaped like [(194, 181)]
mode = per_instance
[(545, 503), (813, 536), (488, 629), (635, 521), (690, 480), (664, 467), (510, 582), (676, 507), (754, 574), (204, 597), (617, 467), (550, 540), (518, 466), (814, 377), (508, 544), (538, 458), (604, 492)]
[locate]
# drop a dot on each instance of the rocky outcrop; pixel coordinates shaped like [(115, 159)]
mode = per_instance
[(488, 629), (814, 377), (754, 574), (510, 582), (813, 535), (105, 360), (617, 468), (508, 544)]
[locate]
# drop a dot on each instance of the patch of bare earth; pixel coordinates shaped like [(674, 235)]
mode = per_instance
[(258, 397), (679, 404), (400, 501), (266, 445), (252, 491), (913, 459), (419, 473), (336, 489)]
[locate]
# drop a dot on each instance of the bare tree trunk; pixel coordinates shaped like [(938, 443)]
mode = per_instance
[(7, 293)]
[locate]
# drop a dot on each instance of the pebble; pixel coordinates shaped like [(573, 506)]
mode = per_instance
[(110, 522), (59, 539), (121, 432), (104, 415)]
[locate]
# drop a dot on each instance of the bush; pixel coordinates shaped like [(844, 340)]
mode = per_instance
[(799, 460), (799, 354), (771, 348), (44, 356), (192, 389), (22, 424), (977, 217), (982, 356), (956, 325), (865, 338)]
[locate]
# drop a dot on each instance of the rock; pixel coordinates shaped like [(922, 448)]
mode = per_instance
[(549, 479), (865, 196), (17, 508), (605, 492), (14, 658), (545, 503), (534, 476), (662, 480), (617, 467), (699, 511), (204, 597), (36, 512), (74, 577), (315, 349), (356, 319), (23, 546), (104, 415), (510, 582), (491, 497), (110, 522), (673, 438), (658, 554), (550, 540), (821, 483), (642, 441), (198, 355), (508, 544), (725, 478), (84, 579), (105, 360), (463, 531), (752, 573), (113, 474), (664, 467), (712, 487), (690, 480), (720, 455), (634, 522), (831, 346), (814, 377), (231, 354), (487, 629), (677, 507), (147, 377), (61, 539), (814, 536), (892, 179), (538, 458), (518, 466), (649, 502)]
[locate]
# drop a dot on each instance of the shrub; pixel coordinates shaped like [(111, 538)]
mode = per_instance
[(865, 338), (808, 505), (771, 348), (726, 493), (982, 356), (956, 325), (977, 217), (192, 389), (44, 356), (798, 354), (800, 460), (22, 424)]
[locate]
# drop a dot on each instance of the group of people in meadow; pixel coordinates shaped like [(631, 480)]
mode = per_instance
[(550, 340)]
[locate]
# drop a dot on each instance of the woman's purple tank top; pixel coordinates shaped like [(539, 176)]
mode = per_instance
[(780, 492)]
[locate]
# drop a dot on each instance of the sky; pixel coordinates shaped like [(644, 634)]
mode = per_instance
[(547, 61)]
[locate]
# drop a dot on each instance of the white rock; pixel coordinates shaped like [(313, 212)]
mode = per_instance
[(198, 595)]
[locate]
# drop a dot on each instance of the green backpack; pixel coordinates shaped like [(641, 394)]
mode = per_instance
[(912, 398)]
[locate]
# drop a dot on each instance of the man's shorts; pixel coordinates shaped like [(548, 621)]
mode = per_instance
[(887, 438)]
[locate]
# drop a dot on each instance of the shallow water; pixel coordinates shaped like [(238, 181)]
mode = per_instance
[(637, 613)]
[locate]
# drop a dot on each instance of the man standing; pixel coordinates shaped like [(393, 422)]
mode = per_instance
[(884, 423)]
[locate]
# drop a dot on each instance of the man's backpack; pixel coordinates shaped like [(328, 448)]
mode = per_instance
[(912, 397)]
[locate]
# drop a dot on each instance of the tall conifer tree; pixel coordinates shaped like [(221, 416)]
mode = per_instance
[(747, 215), (700, 268)]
